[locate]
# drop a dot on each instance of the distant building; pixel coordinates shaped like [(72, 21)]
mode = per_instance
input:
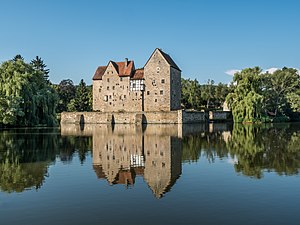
[(118, 86)]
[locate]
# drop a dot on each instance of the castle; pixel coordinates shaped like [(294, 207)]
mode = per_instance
[(152, 94), (118, 86)]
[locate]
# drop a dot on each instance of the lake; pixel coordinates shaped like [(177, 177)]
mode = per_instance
[(154, 174)]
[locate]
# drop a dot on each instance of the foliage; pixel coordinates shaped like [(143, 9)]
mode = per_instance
[(263, 97), (38, 65), (191, 94), (82, 101), (26, 154), (246, 99), (66, 91), (281, 89), (207, 96), (26, 98), (253, 148)]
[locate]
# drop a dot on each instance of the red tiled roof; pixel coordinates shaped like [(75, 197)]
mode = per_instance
[(99, 73), (138, 74), (122, 69)]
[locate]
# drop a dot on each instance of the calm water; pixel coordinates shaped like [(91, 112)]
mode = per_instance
[(158, 174)]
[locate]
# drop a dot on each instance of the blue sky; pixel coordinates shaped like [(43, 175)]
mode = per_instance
[(205, 38)]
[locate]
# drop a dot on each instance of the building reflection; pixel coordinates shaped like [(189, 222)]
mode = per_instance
[(127, 151)]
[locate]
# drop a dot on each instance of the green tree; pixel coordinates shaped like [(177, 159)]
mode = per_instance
[(28, 96), (281, 90), (208, 93), (191, 94), (246, 100), (82, 101), (38, 65), (66, 91)]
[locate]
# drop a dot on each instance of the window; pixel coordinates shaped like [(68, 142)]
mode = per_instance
[(106, 98), (162, 81), (107, 87), (124, 96), (121, 79), (113, 87), (107, 79), (148, 92), (161, 92), (157, 69), (155, 100)]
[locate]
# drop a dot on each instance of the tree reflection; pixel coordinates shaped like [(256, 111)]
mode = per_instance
[(255, 148), (26, 154), (265, 148)]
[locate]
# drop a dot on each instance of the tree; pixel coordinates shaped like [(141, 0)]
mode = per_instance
[(10, 110), (81, 102), (191, 94), (221, 91), (281, 90), (66, 92), (246, 100), (26, 96), (208, 93), (38, 65)]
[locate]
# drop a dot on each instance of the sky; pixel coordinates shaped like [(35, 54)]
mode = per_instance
[(208, 39)]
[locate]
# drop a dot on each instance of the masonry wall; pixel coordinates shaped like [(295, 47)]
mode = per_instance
[(112, 94), (157, 84), (220, 116), (117, 117), (175, 91), (157, 117)]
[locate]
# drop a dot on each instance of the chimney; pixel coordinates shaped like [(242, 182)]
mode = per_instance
[(126, 62)]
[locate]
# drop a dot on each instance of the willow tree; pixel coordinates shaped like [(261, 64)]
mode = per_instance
[(24, 91), (246, 100)]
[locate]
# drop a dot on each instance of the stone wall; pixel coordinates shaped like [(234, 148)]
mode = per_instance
[(220, 116), (119, 117), (192, 117), (160, 117), (175, 92), (112, 94)]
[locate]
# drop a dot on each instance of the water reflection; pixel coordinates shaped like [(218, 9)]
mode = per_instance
[(121, 153), (26, 154)]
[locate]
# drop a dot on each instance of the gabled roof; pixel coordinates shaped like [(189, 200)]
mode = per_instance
[(138, 74), (99, 73), (120, 67), (166, 57), (169, 59)]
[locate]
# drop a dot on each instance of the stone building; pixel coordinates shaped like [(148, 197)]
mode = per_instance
[(119, 86)]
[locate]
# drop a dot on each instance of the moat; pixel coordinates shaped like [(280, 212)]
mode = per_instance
[(151, 174)]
